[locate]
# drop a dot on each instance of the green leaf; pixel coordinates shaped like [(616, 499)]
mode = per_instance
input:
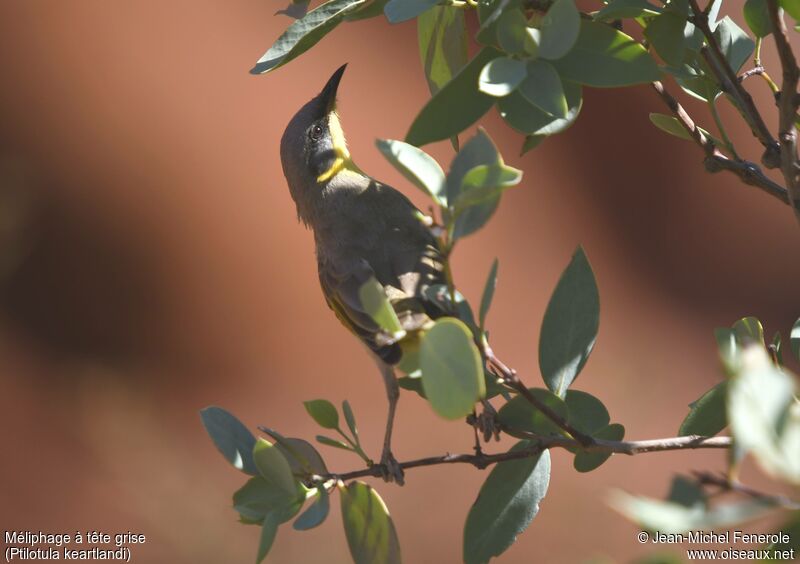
[(273, 466), (374, 301), (370, 531), (417, 166), (442, 36), (305, 33), (479, 150), (570, 325), (397, 11), (749, 330), (488, 294), (412, 385), (588, 461), (734, 43), (560, 28), (526, 118), (507, 502), (484, 183), (674, 518), (258, 497), (456, 106), (501, 76), (756, 15), (369, 9), (295, 10), (618, 9), (520, 415), (792, 8), (350, 419), (323, 412), (672, 126), (794, 339), (269, 530), (316, 514), (604, 57), (511, 31), (335, 443), (686, 492), (728, 347), (764, 414), (586, 412), (303, 458), (531, 142), (475, 217), (452, 372), (542, 88), (231, 438), (665, 33), (440, 295), (707, 415)]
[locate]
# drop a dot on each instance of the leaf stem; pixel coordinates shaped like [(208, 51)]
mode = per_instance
[(712, 104)]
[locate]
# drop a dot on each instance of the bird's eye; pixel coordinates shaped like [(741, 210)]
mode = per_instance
[(315, 132)]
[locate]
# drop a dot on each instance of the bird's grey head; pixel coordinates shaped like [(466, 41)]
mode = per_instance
[(313, 149)]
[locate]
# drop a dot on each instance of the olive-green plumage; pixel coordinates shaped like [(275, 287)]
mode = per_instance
[(362, 229)]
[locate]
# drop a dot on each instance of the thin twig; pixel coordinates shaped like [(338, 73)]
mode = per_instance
[(748, 172), (787, 107), (541, 443), (510, 379), (730, 83), (707, 478)]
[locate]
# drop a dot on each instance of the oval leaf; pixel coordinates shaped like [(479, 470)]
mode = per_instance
[(273, 466), (604, 57), (442, 35), (231, 438), (501, 76), (708, 415), (507, 502), (542, 88), (370, 531), (305, 33), (526, 118), (397, 11), (416, 165), (323, 412), (269, 530), (665, 33), (756, 15), (452, 373), (456, 106), (374, 301), (586, 412), (520, 415), (570, 325), (316, 514), (588, 461), (560, 28)]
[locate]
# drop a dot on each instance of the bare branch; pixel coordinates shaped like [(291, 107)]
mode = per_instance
[(707, 478), (787, 107), (482, 460), (748, 172)]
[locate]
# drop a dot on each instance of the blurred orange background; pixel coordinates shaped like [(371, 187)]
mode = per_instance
[(152, 265)]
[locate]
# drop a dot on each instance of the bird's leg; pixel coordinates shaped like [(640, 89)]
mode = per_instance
[(392, 472)]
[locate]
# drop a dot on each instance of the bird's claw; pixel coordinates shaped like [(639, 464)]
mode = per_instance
[(391, 471)]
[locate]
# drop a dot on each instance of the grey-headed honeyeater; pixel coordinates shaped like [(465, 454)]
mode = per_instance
[(363, 230)]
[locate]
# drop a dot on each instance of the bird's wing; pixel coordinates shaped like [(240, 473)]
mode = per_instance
[(340, 285)]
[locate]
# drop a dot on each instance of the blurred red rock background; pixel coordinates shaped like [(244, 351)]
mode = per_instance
[(152, 265)]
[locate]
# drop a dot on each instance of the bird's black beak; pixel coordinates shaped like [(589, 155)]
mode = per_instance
[(328, 94)]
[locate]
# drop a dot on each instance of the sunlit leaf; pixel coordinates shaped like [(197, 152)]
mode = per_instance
[(559, 29), (323, 412), (316, 514), (273, 466), (501, 76), (708, 415), (507, 503), (231, 438), (488, 294), (442, 36), (415, 165), (542, 87), (370, 531)]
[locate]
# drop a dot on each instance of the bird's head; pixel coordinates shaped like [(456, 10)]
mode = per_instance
[(313, 147)]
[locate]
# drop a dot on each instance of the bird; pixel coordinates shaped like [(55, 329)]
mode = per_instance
[(364, 231)]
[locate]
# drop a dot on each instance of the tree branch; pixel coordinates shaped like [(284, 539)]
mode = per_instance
[(748, 172), (731, 84), (707, 478), (482, 460), (787, 107)]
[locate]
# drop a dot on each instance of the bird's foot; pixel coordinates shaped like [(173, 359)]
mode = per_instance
[(390, 468)]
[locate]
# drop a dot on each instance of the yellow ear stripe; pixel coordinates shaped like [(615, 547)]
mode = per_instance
[(339, 147)]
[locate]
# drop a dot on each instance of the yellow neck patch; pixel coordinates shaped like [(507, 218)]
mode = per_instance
[(342, 160)]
